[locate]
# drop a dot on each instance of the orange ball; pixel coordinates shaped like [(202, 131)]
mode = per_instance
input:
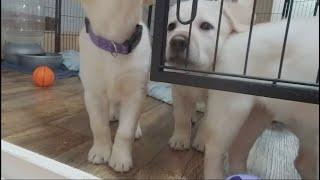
[(43, 76)]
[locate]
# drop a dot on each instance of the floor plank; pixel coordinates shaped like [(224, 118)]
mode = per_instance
[(47, 140)]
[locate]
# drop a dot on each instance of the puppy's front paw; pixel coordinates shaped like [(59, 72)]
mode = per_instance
[(99, 154), (179, 142), (120, 160)]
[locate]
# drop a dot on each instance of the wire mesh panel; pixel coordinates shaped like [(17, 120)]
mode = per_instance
[(72, 20), (64, 20), (49, 7), (262, 11)]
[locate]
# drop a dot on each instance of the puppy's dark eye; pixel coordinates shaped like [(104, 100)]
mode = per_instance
[(172, 26), (206, 26)]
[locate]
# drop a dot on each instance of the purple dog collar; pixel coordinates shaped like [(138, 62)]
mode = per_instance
[(113, 47)]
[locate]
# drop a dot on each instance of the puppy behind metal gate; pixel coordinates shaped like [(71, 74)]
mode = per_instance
[(227, 112), (200, 57), (114, 68)]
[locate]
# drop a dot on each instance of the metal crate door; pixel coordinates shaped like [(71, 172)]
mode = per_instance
[(258, 86)]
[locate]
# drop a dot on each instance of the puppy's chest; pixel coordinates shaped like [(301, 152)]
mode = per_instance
[(110, 79), (121, 81)]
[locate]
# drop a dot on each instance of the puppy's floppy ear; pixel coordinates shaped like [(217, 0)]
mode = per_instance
[(148, 2), (239, 14)]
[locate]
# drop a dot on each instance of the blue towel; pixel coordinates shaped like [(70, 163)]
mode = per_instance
[(61, 73), (71, 59), (162, 92)]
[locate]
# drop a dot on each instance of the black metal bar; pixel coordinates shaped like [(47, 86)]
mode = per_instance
[(250, 35), (228, 75), (317, 80), (316, 8), (57, 34), (188, 47), (218, 36), (285, 9), (292, 93), (150, 16), (159, 36), (193, 12), (285, 40)]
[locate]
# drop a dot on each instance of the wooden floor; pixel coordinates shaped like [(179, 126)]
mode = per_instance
[(54, 123)]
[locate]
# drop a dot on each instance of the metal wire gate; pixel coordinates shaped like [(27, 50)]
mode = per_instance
[(258, 86), (64, 20)]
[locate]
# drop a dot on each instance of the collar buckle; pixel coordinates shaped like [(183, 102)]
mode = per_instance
[(115, 53)]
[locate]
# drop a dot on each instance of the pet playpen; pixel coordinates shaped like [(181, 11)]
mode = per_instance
[(64, 19), (262, 11)]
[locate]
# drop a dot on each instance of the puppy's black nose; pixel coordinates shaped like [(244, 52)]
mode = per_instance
[(179, 43)]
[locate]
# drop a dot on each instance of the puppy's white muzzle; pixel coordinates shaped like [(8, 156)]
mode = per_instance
[(177, 47)]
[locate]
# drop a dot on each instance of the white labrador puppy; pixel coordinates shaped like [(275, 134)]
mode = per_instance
[(227, 111), (201, 56), (114, 77)]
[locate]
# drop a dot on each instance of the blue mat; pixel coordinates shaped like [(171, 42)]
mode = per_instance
[(162, 92), (61, 73)]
